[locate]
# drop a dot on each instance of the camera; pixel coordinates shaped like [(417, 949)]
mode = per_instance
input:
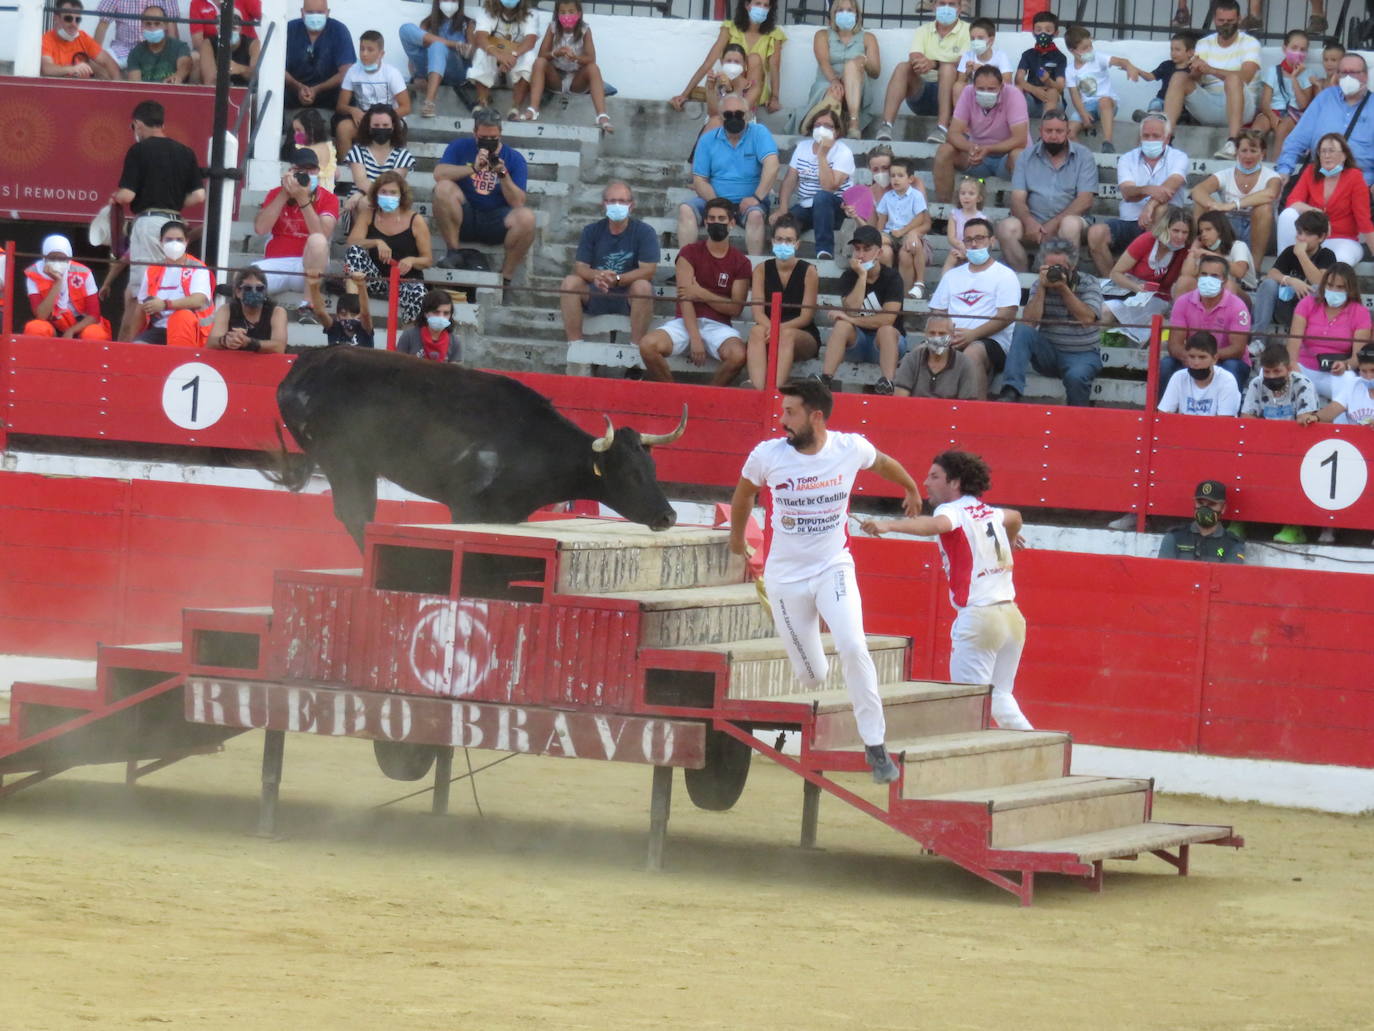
[(1054, 274), (303, 178), (490, 145)]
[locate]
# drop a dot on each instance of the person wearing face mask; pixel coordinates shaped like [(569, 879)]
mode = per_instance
[(177, 297), (433, 336), (505, 37), (981, 298), (298, 219), (925, 80), (868, 327), (1281, 391), (1333, 184), (1220, 313), (1353, 403), (1205, 539), (739, 162), (63, 296), (1092, 98), (1296, 272), (1146, 274), (1244, 194), (319, 52), (820, 169), (1149, 178), (158, 56), (1053, 188), (390, 232), (129, 32), (754, 29), (847, 65), (987, 133), (439, 50), (204, 34), (1286, 88), (613, 273), (350, 325), (982, 52), (567, 63), (381, 147), (934, 368), (1201, 387), (369, 83), (250, 321), (1339, 108), (1330, 326), (798, 282), (69, 53), (1221, 86), (1041, 70)]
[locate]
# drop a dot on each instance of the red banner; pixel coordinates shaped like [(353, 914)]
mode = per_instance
[(64, 141)]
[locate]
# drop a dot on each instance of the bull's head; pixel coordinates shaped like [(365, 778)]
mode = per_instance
[(629, 481)]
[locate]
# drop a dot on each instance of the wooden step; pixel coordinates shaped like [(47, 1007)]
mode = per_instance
[(685, 616), (1058, 807), (161, 656), (913, 709), (981, 759), (1119, 842), (760, 668)]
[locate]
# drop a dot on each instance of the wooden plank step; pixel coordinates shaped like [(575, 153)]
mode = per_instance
[(1117, 842), (685, 616), (1037, 792), (71, 692), (980, 759), (760, 669), (1057, 807), (913, 709)]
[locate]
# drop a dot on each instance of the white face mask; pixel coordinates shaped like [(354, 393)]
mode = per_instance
[(58, 269), (1349, 85), (448, 9), (882, 178), (1086, 56), (732, 70), (69, 34), (174, 249), (821, 133), (987, 98), (978, 46)]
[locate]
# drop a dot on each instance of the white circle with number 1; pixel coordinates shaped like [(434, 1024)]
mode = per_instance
[(1333, 474), (195, 396)]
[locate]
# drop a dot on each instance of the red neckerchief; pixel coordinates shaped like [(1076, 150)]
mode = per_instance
[(435, 347)]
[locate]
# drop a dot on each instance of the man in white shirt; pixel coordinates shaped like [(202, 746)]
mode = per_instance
[(1152, 176), (976, 542), (1221, 86), (809, 572), (981, 298)]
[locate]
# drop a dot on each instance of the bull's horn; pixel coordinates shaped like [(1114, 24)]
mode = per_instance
[(650, 439), (602, 443)]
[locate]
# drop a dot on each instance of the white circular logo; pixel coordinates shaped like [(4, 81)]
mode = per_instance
[(195, 396), (1333, 474)]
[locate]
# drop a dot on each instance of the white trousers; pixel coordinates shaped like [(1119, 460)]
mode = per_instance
[(986, 649), (798, 607), (1348, 251)]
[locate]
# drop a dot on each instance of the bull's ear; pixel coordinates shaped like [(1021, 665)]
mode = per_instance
[(596, 468)]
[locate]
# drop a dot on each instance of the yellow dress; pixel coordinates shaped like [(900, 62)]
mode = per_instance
[(763, 46)]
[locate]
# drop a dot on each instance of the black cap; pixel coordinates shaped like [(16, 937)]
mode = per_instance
[(1210, 490), (304, 157), (867, 236)]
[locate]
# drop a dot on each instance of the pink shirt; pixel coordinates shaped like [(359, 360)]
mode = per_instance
[(1229, 316), (1352, 317), (988, 127)]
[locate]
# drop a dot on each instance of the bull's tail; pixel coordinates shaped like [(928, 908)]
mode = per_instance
[(288, 470)]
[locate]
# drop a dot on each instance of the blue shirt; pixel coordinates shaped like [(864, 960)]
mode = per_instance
[(311, 64), (483, 189), (1329, 112), (734, 170), (599, 248)]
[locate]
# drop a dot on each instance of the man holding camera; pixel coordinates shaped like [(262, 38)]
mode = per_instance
[(479, 194), (300, 215), (1058, 333)]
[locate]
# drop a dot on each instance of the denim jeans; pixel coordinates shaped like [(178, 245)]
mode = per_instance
[(1031, 348), (437, 57), (825, 215), (1268, 307), (1168, 365)]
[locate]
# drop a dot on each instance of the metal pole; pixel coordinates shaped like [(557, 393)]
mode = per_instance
[(1151, 420), (217, 174), (273, 746), (659, 805), (443, 773), (774, 336), (392, 304)]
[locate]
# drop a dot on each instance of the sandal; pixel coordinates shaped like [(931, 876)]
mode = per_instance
[(427, 109), (513, 115), (603, 122), (531, 115)]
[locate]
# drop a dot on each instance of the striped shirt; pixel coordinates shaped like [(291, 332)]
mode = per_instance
[(397, 159)]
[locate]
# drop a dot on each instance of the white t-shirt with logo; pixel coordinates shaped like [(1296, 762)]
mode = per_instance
[(1352, 393), (380, 87), (841, 161), (810, 501), (976, 553), (971, 298), (1092, 79), (1219, 397)]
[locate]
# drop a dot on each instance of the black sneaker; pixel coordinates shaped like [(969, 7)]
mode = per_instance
[(823, 377), (885, 771), (467, 96), (883, 386), (1009, 394), (451, 260)]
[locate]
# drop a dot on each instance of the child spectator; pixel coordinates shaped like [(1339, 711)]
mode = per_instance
[(351, 323), (309, 131), (567, 62), (903, 219), (1182, 50), (1354, 395), (433, 336), (504, 36), (438, 49), (1295, 273), (1285, 90), (1215, 236), (1330, 326), (730, 78), (981, 51), (753, 29), (1093, 101), (1201, 387), (67, 52), (1280, 392), (969, 198), (1040, 72), (1331, 62), (381, 147), (158, 57), (368, 82)]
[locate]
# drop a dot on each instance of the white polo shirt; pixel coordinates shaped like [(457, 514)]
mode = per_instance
[(1132, 167)]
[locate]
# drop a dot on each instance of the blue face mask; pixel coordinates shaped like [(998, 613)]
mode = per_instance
[(1333, 171), (437, 323), (510, 5), (1286, 292), (845, 20), (1152, 148), (388, 201), (977, 255), (314, 182), (1248, 169), (617, 212), (946, 14), (757, 15), (154, 35), (1335, 298), (867, 266), (372, 68), (314, 22), (784, 251), (1209, 286)]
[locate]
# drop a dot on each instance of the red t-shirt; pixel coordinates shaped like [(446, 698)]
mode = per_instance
[(1140, 249), (715, 274), (288, 231), (248, 10)]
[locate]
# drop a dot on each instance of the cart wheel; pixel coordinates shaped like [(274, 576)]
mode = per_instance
[(401, 761), (718, 785)]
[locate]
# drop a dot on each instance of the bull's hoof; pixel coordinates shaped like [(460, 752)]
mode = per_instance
[(401, 761), (718, 785)]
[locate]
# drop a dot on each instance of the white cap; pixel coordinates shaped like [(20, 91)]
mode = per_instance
[(57, 242)]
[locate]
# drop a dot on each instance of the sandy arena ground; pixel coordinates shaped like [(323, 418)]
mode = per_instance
[(127, 908)]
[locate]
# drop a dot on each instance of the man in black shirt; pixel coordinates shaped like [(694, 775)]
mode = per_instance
[(1205, 539), (161, 177), (870, 327)]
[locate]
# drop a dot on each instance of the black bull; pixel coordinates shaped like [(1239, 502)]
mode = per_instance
[(487, 446)]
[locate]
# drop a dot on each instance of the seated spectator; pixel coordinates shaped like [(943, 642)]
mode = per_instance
[(1221, 86), (869, 326), (822, 166), (244, 51), (204, 32), (309, 129), (251, 321), (1201, 387), (732, 77), (799, 283), (1338, 109), (433, 335), (381, 147), (390, 232), (982, 52), (1205, 539), (567, 63), (504, 36), (439, 49), (1244, 193), (63, 295), (1058, 332), (479, 194), (177, 297), (1148, 271), (1353, 403), (1149, 178), (298, 218), (969, 199), (1281, 391), (1330, 326), (128, 33), (613, 273), (1182, 48), (1215, 236), (925, 80), (351, 323), (739, 162), (981, 298), (936, 368), (754, 29), (369, 82), (861, 201), (158, 56), (712, 284), (67, 52), (1053, 188), (1332, 52), (847, 65), (989, 131), (1296, 273), (1334, 184), (319, 51), (1286, 89), (1217, 310), (1092, 99), (1040, 72), (904, 220)]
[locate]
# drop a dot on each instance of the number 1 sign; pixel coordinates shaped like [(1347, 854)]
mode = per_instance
[(195, 396), (1333, 474)]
